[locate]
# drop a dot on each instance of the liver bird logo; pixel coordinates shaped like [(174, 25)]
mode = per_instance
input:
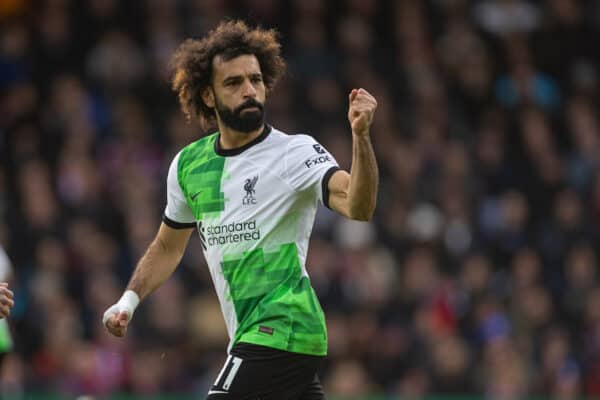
[(249, 186)]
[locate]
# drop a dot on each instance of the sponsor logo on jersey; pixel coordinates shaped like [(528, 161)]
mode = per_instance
[(249, 188), (319, 149), (234, 232), (202, 237), (311, 162)]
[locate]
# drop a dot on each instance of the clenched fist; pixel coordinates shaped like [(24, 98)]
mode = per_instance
[(6, 300), (361, 110), (116, 323), (117, 317)]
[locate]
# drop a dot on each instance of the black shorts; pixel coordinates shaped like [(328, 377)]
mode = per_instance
[(254, 372)]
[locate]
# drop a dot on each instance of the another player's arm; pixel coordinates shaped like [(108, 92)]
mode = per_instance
[(354, 194), (6, 300), (6, 295), (156, 265)]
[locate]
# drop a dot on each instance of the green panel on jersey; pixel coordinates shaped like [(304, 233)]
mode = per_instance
[(200, 171), (274, 304), (5, 339)]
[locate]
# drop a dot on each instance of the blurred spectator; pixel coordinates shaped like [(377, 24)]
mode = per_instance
[(503, 17), (524, 84)]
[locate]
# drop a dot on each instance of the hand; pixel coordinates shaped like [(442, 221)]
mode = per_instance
[(6, 300), (116, 319), (361, 110)]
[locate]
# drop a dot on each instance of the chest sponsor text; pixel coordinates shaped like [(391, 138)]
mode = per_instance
[(234, 232)]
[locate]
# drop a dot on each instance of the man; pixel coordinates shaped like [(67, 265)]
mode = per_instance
[(252, 192)]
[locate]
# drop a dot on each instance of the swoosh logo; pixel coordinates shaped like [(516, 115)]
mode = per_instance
[(193, 197)]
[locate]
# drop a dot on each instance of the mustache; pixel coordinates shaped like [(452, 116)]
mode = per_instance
[(248, 104)]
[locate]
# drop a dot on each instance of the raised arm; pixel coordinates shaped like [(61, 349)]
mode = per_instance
[(155, 266), (354, 194)]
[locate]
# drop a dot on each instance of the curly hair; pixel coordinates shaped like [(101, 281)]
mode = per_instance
[(192, 63)]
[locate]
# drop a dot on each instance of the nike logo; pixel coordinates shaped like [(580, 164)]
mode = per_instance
[(193, 197)]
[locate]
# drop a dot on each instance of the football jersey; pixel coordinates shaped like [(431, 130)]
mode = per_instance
[(254, 208)]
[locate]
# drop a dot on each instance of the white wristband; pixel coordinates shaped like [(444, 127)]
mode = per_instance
[(129, 301), (127, 304)]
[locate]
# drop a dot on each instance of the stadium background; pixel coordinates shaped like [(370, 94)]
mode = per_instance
[(478, 275)]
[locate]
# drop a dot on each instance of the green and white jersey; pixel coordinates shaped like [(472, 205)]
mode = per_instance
[(254, 208)]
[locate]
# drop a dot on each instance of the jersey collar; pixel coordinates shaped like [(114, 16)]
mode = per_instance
[(238, 150)]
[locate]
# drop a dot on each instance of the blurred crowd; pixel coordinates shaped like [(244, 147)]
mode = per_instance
[(479, 273)]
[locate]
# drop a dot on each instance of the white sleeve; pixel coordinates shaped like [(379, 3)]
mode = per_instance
[(309, 166), (178, 213)]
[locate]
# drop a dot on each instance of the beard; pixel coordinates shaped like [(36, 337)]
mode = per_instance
[(240, 120)]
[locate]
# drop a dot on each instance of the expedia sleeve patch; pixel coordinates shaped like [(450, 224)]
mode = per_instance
[(319, 149), (307, 161)]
